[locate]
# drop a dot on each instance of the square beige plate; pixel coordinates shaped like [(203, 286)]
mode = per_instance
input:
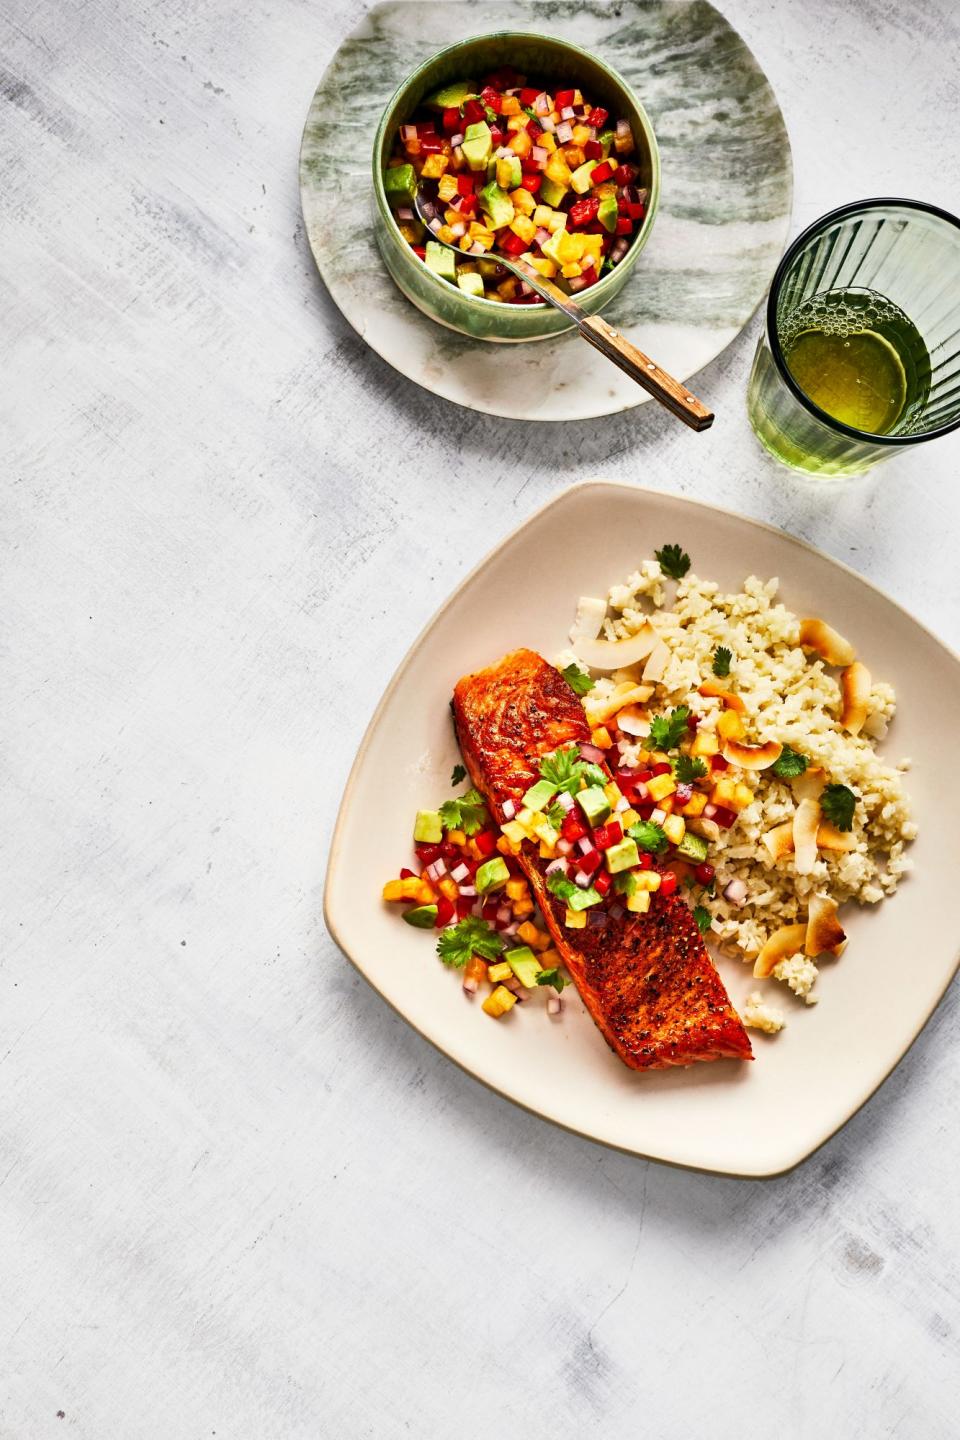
[(738, 1119)]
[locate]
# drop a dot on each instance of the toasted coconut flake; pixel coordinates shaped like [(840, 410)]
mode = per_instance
[(824, 931), (616, 654), (752, 757), (830, 838), (634, 721), (855, 685), (624, 696), (588, 622), (709, 829), (817, 635), (805, 825), (715, 691), (779, 840), (788, 940), (809, 785), (656, 666)]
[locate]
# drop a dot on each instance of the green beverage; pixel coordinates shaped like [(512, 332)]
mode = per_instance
[(859, 357)]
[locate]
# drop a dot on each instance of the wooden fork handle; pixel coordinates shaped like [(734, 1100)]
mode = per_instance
[(616, 347)]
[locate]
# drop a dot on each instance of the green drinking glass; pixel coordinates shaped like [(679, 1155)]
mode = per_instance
[(860, 356)]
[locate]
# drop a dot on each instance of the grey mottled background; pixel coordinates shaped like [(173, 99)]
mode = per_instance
[(237, 1196)]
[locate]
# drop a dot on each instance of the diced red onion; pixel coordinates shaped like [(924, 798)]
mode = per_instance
[(460, 873), (525, 289), (593, 754), (456, 140), (437, 870), (683, 794), (582, 879), (458, 153), (585, 845), (477, 249), (405, 213), (640, 790), (470, 985), (622, 804), (509, 809), (554, 1003), (505, 914), (658, 816), (596, 919), (435, 225), (593, 131), (547, 124), (543, 104), (459, 229), (735, 892), (565, 846), (565, 132), (617, 911), (623, 128), (504, 153), (427, 209), (565, 800), (618, 250), (567, 113), (408, 132), (709, 811), (539, 154), (512, 929), (542, 236), (555, 865), (467, 889)]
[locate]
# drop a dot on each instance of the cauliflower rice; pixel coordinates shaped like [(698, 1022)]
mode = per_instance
[(791, 696)]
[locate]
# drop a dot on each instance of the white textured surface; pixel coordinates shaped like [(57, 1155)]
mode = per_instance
[(237, 1195)]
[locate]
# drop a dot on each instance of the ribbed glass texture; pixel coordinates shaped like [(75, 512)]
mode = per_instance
[(901, 250)]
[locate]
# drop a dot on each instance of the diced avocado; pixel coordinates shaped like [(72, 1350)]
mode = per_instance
[(400, 184), (524, 965), (471, 283), (581, 176), (626, 884), (424, 917), (492, 875), (594, 805), (441, 261), (450, 95), (607, 214), (693, 847), (539, 795), (497, 204), (583, 899), (622, 856), (551, 193), (477, 145), (428, 828)]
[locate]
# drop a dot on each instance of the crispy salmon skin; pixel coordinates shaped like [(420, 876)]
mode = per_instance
[(647, 980)]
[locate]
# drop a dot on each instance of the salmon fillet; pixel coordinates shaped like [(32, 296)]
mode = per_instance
[(647, 980)]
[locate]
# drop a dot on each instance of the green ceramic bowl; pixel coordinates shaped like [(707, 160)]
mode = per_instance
[(540, 57)]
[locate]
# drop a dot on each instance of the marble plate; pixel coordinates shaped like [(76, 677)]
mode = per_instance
[(750, 1119), (719, 232)]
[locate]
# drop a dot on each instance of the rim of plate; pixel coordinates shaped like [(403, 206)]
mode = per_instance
[(392, 684)]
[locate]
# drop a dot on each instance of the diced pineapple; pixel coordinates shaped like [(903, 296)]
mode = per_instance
[(448, 188), (547, 852), (514, 833), (508, 289), (465, 244), (659, 786), (730, 726), (540, 263), (533, 936), (523, 201), (575, 919), (581, 134), (446, 235), (499, 1001), (516, 122), (448, 887), (500, 971), (631, 817), (542, 215), (547, 834), (559, 171), (743, 796), (571, 271), (695, 805), (413, 234), (674, 827), (522, 907), (705, 743), (457, 837), (523, 226), (613, 793), (550, 959), (724, 792), (510, 105), (507, 847), (547, 142), (646, 879), (516, 888), (520, 143), (639, 902), (393, 890), (434, 167)]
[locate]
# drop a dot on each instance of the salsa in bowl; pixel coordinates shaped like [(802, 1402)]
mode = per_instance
[(523, 146)]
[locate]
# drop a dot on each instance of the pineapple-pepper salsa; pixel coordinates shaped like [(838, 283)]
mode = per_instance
[(506, 167)]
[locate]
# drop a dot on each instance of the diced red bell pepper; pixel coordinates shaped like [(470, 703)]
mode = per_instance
[(598, 117), (645, 809), (724, 817), (451, 120), (467, 206), (529, 166), (428, 853), (531, 180), (445, 911), (692, 723), (668, 883), (489, 911), (606, 835), (644, 776), (465, 904), (473, 112), (563, 98), (625, 174), (645, 861), (497, 137), (466, 184), (590, 862), (489, 96), (427, 129), (581, 212), (662, 768), (572, 828), (420, 250), (593, 150), (624, 226), (512, 244), (527, 96), (449, 851), (486, 841), (534, 130), (682, 794), (717, 762), (525, 300), (704, 874), (407, 874), (601, 172), (602, 882)]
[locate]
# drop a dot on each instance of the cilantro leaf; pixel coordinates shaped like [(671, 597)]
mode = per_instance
[(649, 836), (703, 918), (558, 884), (551, 977), (562, 768), (789, 764), (688, 768), (556, 815), (838, 803), (491, 115), (579, 682), (666, 731), (458, 774), (721, 661), (467, 813), (673, 561), (529, 110), (593, 774), (472, 936)]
